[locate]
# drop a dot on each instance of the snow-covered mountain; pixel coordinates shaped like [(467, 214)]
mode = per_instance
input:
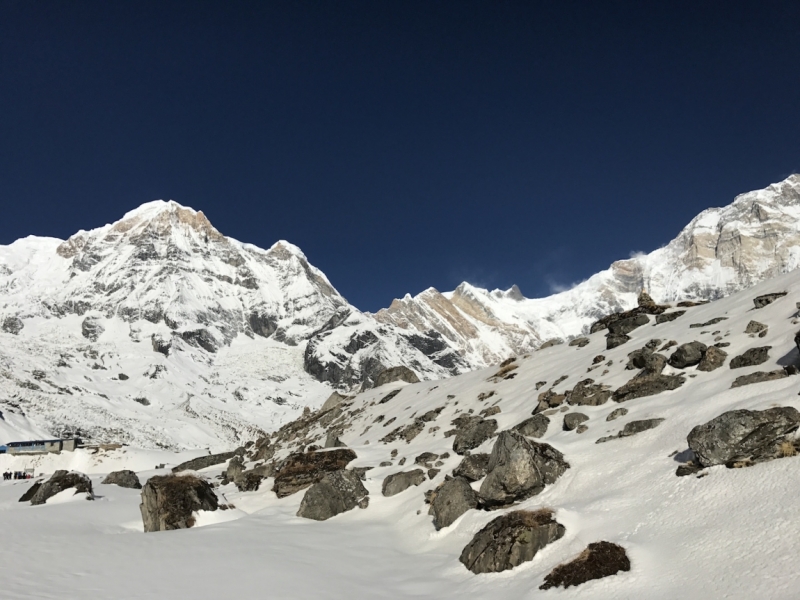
[(721, 251), (158, 330)]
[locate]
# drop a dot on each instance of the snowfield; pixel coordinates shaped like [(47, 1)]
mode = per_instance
[(728, 534)]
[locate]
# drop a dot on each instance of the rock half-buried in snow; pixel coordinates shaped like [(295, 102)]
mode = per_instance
[(58, 482), (519, 468), (510, 540), (335, 493), (170, 501), (600, 559)]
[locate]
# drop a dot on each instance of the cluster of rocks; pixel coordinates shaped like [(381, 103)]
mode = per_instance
[(619, 325)]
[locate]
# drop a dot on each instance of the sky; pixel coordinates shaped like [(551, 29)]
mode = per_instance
[(401, 145)]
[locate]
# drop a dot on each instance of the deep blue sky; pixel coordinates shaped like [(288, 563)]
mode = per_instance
[(401, 145)]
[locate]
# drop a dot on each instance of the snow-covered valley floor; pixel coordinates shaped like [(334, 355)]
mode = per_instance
[(729, 534)]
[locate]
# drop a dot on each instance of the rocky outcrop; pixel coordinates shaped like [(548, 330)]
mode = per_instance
[(393, 374), (751, 357), (587, 393), (754, 328), (451, 500), (518, 469), (759, 377), (161, 345), (510, 540), (616, 414), (472, 467), (647, 385), (91, 328), (170, 501), (600, 559), (60, 481), (670, 316), (740, 436), (124, 478), (302, 469), (713, 359), (471, 431), (400, 482), (12, 325), (335, 493), (203, 462), (534, 427), (687, 355), (767, 299)]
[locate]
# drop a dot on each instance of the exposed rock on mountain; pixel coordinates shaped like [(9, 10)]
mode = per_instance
[(170, 501), (600, 559), (61, 481)]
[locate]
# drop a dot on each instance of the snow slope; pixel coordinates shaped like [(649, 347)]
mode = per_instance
[(729, 534)]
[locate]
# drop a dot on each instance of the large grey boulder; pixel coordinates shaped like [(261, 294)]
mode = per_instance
[(12, 325), (302, 469), (396, 374), (91, 328), (60, 481), (713, 359), (472, 467), (519, 468), (751, 358), (687, 355), (625, 326), (510, 540), (451, 500), (203, 462), (587, 393), (534, 427), (573, 420), (759, 377), (600, 559), (335, 493), (170, 501), (471, 431), (742, 435), (766, 299), (399, 482), (124, 478), (647, 385)]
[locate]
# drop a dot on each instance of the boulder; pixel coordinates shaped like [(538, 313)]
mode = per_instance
[(12, 325), (739, 435), (754, 327), (766, 299), (535, 426), (587, 393), (160, 344), (632, 428), (510, 540), (550, 399), (60, 481), (648, 385), (250, 480), (713, 359), (400, 482), (30, 492), (613, 340), (473, 467), (518, 469), (203, 462), (759, 377), (687, 355), (170, 501), (396, 374), (335, 493), (670, 316), (471, 431), (616, 414), (579, 342), (451, 500), (626, 325), (235, 468), (332, 440), (751, 358), (91, 329), (598, 560), (573, 420), (302, 469), (124, 478)]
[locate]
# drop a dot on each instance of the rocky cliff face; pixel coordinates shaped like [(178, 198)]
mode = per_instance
[(721, 251)]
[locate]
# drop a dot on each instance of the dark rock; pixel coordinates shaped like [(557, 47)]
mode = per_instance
[(12, 325), (471, 432), (91, 329), (203, 462), (617, 413), (751, 358), (614, 340), (169, 501), (690, 468), (713, 321), (739, 435), (472, 467), (250, 480), (433, 473), (262, 324), (572, 420), (596, 360), (518, 469), (510, 540), (31, 492), (649, 385), (389, 396), (754, 327), (451, 500), (600, 559), (759, 377), (396, 374), (535, 427), (399, 482), (670, 316), (302, 469), (122, 377), (766, 299), (426, 459), (124, 478), (713, 359), (687, 355), (587, 393), (635, 427), (551, 343), (491, 411), (235, 468), (333, 441), (548, 399), (202, 338), (60, 481), (337, 492), (579, 342), (161, 345), (625, 326)]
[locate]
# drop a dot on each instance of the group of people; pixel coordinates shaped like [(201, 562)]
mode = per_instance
[(16, 475)]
